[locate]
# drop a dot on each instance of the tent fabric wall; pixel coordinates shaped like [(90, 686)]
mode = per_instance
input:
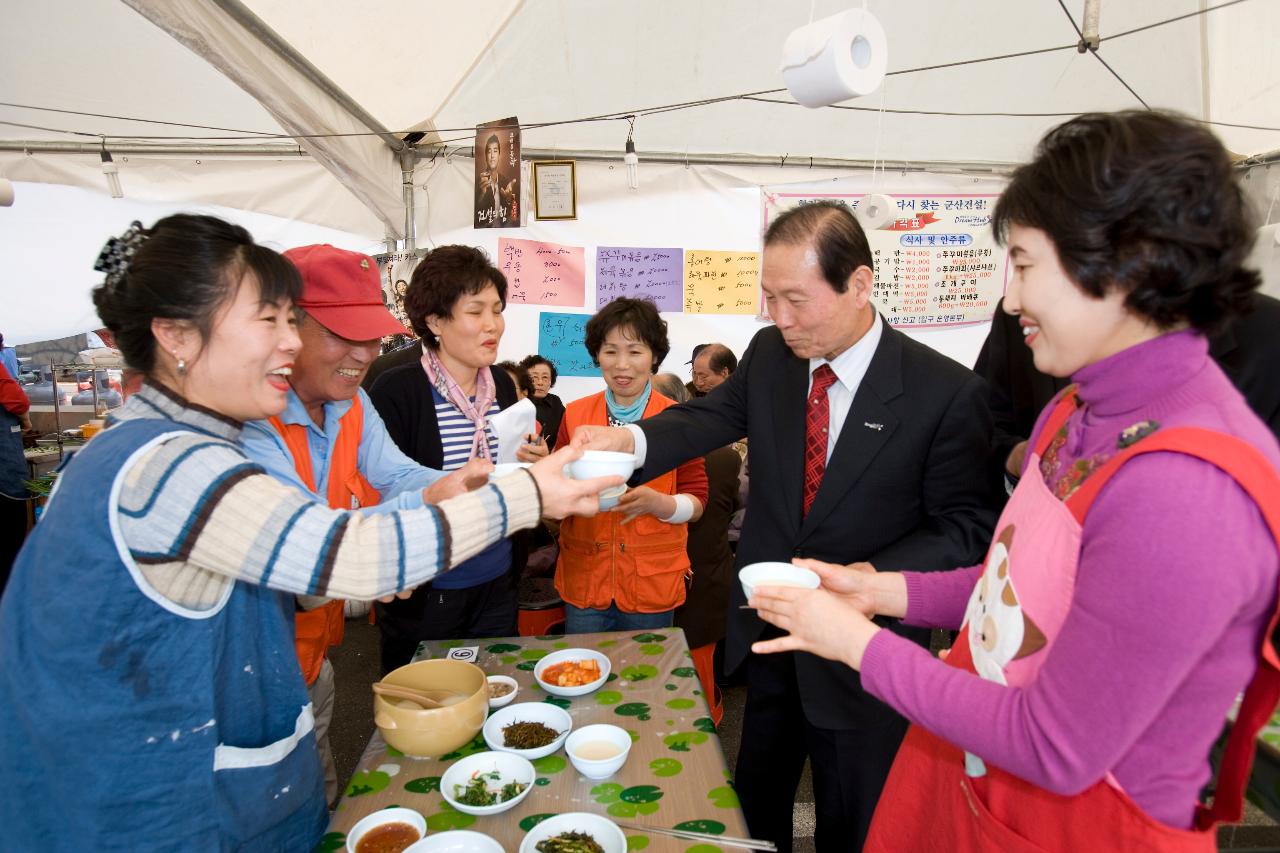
[(695, 207)]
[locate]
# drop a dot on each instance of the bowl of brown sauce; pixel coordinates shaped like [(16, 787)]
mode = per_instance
[(387, 831)]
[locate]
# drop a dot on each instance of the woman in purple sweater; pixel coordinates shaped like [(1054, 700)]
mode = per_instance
[(1133, 575)]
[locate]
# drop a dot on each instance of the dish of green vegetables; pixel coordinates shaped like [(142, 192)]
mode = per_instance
[(569, 842), (487, 789)]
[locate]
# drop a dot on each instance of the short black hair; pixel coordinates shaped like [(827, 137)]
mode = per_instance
[(530, 360), (519, 374), (719, 357), (1144, 202), (441, 278), (639, 315), (187, 268), (836, 235), (493, 138)]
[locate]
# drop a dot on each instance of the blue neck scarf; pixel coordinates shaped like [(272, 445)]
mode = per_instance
[(632, 413)]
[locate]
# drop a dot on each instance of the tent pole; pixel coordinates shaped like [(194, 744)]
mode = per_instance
[(407, 162)]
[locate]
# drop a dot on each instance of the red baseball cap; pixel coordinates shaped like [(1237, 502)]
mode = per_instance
[(343, 292)]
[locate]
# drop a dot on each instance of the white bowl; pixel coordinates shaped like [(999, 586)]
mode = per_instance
[(527, 712), (572, 654), (605, 832), (602, 463), (776, 574), (598, 768), (502, 469), (456, 841), (378, 818), (512, 768), (609, 497), (503, 700)]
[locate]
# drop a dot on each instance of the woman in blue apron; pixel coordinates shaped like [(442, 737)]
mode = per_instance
[(150, 697)]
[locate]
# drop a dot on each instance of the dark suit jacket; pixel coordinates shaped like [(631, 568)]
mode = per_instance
[(702, 616), (906, 487), (1248, 351)]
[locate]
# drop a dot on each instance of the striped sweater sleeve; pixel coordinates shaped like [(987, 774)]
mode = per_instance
[(193, 506)]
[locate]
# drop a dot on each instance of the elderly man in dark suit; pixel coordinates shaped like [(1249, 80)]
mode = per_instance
[(864, 446)]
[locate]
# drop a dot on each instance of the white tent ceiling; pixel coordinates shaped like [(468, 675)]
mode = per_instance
[(431, 64), (235, 124)]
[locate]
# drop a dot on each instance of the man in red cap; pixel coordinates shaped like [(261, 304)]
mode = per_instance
[(330, 441)]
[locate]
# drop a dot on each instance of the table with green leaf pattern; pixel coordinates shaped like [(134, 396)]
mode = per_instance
[(675, 775)]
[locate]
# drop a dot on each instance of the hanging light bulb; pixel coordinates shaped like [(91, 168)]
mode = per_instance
[(630, 158), (112, 171)]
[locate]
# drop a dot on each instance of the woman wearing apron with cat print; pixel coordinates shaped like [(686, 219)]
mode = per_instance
[(1131, 586)]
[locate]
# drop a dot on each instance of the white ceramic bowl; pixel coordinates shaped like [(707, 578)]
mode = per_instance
[(504, 700), (456, 841), (602, 463), (609, 497), (573, 654), (378, 818), (598, 768), (512, 768), (502, 469), (605, 832), (528, 712), (776, 574)]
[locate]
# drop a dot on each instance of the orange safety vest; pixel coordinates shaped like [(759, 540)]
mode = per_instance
[(640, 565), (316, 630)]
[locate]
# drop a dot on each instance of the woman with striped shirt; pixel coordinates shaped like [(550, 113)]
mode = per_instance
[(437, 411), (150, 696)]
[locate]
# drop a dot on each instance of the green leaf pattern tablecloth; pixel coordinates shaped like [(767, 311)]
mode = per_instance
[(675, 775)]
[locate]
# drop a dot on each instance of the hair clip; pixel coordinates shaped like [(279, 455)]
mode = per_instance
[(117, 254)]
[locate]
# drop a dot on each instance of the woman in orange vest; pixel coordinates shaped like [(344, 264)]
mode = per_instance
[(1130, 591), (626, 569)]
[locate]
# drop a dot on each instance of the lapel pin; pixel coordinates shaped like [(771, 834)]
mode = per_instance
[(876, 427)]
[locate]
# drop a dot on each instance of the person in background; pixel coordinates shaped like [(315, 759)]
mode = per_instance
[(627, 569), (1126, 599), (520, 377), (863, 443), (330, 442), (9, 359), (713, 364), (147, 672), (438, 412), (13, 470), (1247, 349), (549, 406), (692, 386), (702, 616)]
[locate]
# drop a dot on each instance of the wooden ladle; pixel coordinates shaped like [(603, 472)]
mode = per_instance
[(397, 691)]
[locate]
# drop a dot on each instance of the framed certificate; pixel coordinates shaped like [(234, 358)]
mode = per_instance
[(555, 190)]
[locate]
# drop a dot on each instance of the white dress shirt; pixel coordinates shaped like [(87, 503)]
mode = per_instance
[(849, 366)]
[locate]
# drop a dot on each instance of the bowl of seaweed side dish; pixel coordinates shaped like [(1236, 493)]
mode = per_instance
[(487, 783), (528, 729), (575, 832)]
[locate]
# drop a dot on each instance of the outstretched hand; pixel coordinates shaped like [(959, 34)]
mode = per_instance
[(563, 496), (825, 623), (471, 476)]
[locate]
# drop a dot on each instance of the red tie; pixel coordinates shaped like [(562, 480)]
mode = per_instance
[(815, 433)]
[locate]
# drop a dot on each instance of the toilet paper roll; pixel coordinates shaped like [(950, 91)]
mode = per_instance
[(876, 211), (835, 59), (6, 192)]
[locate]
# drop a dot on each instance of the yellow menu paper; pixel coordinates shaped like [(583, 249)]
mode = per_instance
[(721, 282)]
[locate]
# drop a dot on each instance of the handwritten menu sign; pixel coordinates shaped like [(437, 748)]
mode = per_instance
[(542, 273), (721, 282), (641, 274), (937, 264), (560, 339)]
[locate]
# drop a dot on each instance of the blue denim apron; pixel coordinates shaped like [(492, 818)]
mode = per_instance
[(128, 722)]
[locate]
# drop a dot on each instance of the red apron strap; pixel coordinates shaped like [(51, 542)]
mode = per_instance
[(1255, 474), (1067, 403)]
